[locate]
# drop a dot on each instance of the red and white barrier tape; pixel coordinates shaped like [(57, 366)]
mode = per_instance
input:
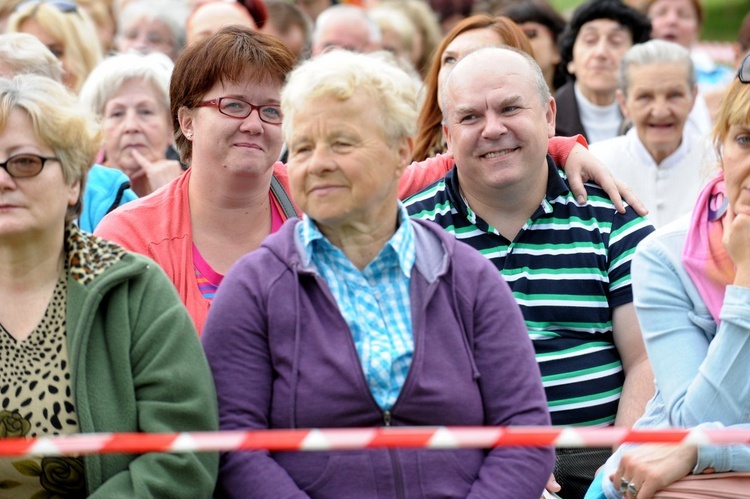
[(362, 438)]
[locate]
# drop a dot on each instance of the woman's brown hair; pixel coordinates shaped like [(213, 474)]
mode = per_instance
[(230, 54)]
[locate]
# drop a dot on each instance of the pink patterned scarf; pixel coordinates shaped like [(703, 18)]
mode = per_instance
[(704, 257)]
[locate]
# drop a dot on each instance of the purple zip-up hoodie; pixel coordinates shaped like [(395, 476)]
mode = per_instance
[(282, 356)]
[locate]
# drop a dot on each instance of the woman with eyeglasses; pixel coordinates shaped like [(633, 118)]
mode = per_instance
[(92, 338), (691, 287), (224, 95), (67, 30)]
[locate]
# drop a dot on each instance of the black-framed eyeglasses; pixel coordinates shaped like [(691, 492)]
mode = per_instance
[(25, 165), (240, 109), (64, 6), (744, 72)]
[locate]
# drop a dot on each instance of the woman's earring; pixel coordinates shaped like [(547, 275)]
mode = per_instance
[(189, 135)]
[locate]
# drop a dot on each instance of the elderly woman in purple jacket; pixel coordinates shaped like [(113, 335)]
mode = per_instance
[(357, 316)]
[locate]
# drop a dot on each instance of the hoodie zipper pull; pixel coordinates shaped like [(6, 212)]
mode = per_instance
[(387, 418)]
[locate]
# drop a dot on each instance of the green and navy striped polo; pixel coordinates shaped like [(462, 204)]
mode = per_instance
[(568, 268)]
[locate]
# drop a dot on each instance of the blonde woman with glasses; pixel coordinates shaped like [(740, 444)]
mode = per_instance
[(92, 338)]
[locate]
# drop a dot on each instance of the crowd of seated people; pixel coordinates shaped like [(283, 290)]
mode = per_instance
[(371, 213)]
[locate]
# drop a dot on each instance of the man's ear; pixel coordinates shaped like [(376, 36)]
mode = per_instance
[(551, 117), (448, 141)]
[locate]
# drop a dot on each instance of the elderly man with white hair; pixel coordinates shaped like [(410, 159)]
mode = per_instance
[(347, 27)]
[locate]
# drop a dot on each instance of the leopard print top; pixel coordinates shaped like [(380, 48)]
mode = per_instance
[(36, 396)]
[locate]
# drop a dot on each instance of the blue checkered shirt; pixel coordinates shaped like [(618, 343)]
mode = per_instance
[(375, 303)]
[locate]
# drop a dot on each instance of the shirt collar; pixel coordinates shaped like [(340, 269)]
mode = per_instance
[(556, 187), (402, 243)]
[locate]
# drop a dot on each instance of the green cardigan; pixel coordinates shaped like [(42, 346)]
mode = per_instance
[(136, 366)]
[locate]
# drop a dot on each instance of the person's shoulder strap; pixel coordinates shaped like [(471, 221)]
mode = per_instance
[(284, 200), (118, 197)]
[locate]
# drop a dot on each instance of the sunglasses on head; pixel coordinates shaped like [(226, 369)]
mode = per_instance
[(64, 6), (744, 72)]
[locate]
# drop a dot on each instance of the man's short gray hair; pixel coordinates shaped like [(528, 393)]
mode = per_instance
[(346, 12), (540, 83), (173, 13)]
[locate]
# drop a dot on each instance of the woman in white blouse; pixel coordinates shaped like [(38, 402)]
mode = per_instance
[(658, 157)]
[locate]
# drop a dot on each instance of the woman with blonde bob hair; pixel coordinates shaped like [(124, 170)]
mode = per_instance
[(67, 30), (320, 326), (92, 338), (106, 188), (691, 287), (58, 122)]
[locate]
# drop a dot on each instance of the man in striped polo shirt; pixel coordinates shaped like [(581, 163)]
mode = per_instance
[(567, 264)]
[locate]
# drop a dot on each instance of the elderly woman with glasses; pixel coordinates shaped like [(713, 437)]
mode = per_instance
[(691, 286), (224, 98), (92, 338), (357, 316)]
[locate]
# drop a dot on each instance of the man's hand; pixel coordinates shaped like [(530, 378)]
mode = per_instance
[(582, 166)]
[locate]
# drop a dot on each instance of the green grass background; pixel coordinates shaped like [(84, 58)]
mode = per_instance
[(722, 17)]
